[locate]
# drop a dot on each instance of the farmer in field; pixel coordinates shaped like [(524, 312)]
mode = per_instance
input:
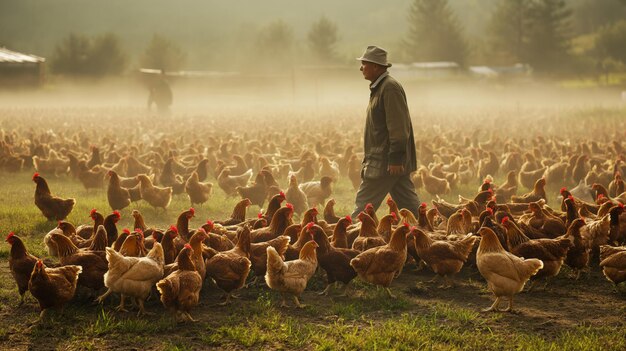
[(160, 94), (389, 146)]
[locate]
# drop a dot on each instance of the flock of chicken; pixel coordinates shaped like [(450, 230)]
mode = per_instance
[(511, 238)]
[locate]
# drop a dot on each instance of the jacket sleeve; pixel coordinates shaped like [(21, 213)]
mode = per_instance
[(398, 123)]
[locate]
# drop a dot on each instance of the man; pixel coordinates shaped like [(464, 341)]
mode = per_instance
[(160, 95), (388, 142)]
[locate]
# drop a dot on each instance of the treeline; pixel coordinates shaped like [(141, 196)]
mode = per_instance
[(546, 34)]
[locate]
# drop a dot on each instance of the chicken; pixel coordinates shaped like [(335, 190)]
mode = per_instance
[(238, 215), (258, 253), (256, 192), (504, 272), (329, 212), (613, 263), (537, 194), (529, 178), (53, 287), (195, 241), (133, 276), (445, 258), (280, 221), (385, 225), (53, 164), (169, 247), (550, 225), (91, 178), (340, 237), (578, 255), (379, 265), (94, 264), (334, 261), (275, 203), (368, 235), (551, 252), (230, 183), (328, 168), (303, 237), (180, 291), (155, 196), (295, 196), (291, 277), (230, 269), (118, 197), (52, 207), (317, 191), (198, 192), (432, 184), (354, 172), (21, 264)]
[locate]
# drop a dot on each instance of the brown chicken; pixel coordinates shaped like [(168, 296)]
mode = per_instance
[(368, 235), (180, 291), (379, 265), (385, 226), (169, 247), (613, 263), (329, 212), (339, 237), (551, 252), (280, 221), (21, 264), (537, 194), (296, 196), (52, 207), (93, 263), (354, 172), (578, 255), (293, 250), (432, 184), (291, 277), (230, 269), (238, 215), (256, 192), (155, 196), (91, 178), (198, 192), (445, 258), (334, 261), (229, 183), (53, 287), (195, 241), (504, 272)]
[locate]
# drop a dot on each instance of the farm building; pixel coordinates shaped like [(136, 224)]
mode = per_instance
[(20, 70)]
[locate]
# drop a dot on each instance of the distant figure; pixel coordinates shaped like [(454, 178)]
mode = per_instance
[(160, 95)]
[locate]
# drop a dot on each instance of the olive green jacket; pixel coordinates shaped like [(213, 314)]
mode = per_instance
[(388, 136)]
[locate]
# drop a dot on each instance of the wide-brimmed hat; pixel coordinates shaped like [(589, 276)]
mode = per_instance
[(375, 55)]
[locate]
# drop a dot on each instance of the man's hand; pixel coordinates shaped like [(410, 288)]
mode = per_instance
[(395, 170)]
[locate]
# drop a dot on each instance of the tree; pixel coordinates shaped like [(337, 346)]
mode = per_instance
[(508, 37), (435, 34), (275, 44), (322, 39), (78, 55), (161, 53), (611, 42), (548, 35), (71, 56)]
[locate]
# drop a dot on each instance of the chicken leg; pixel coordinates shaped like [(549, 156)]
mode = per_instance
[(493, 307), (389, 293), (510, 307), (121, 307), (298, 304)]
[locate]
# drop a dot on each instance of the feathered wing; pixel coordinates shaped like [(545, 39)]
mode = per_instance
[(505, 272), (276, 268)]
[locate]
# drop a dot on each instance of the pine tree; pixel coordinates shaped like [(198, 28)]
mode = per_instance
[(508, 27), (322, 39), (435, 34), (548, 34)]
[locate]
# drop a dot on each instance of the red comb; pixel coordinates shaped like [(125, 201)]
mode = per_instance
[(600, 196), (259, 215), (621, 205), (187, 246), (35, 175), (424, 205), (138, 231), (315, 209), (117, 214), (490, 190), (393, 214), (406, 224), (309, 225), (282, 194), (11, 234), (571, 197), (369, 205), (126, 230), (289, 206), (174, 229), (193, 211), (349, 219), (563, 189), (505, 219), (39, 263), (489, 209), (210, 223)]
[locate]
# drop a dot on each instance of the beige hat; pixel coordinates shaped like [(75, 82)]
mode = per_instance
[(375, 55)]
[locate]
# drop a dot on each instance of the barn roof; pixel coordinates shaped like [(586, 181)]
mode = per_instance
[(8, 56)]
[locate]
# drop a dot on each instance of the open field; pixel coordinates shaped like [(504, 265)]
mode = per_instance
[(567, 315)]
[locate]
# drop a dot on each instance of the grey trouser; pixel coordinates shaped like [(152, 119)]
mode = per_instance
[(374, 191)]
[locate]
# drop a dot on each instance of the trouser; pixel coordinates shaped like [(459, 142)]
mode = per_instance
[(374, 191)]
